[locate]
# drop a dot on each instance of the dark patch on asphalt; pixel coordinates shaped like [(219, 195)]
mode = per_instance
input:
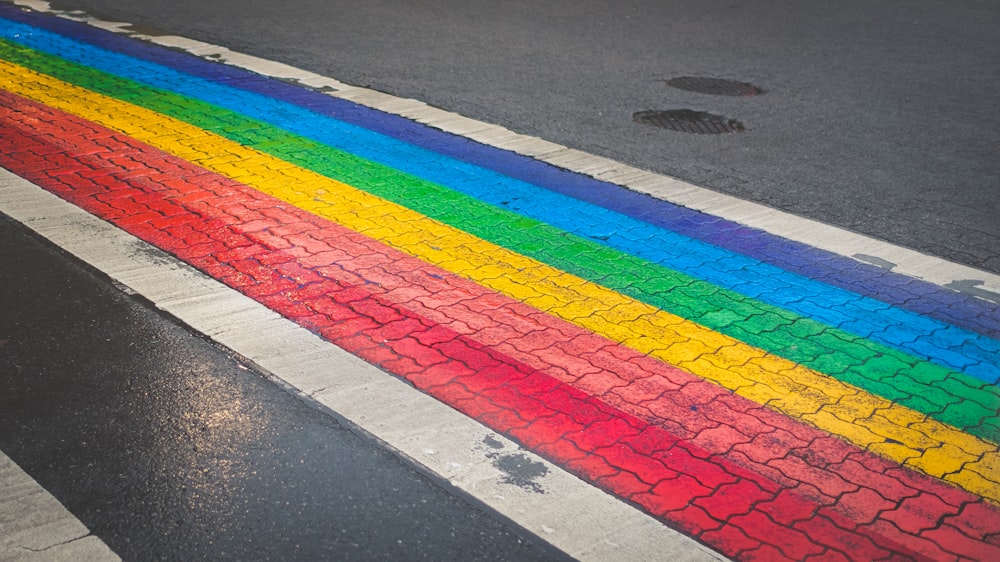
[(971, 287), (875, 260), (492, 442), (688, 121), (518, 469), (714, 86), (521, 471), (153, 254)]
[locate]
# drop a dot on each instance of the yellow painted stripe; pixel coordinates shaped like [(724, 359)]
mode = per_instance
[(869, 421)]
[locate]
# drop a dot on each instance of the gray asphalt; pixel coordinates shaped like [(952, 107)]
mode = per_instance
[(880, 117), (167, 448)]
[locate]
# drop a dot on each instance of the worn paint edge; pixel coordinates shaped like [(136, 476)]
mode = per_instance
[(559, 508)]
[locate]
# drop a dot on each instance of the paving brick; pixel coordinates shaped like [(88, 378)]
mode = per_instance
[(737, 498), (514, 398), (269, 282), (798, 469), (411, 347), (502, 418), (729, 538), (951, 540), (861, 506), (205, 250), (676, 407), (544, 431), (919, 513), (906, 546), (441, 376), (950, 495), (766, 553), (829, 556), (459, 396), (787, 507), (404, 366), (600, 383), (791, 543), (240, 254), (685, 458), (726, 407), (720, 438), (241, 282), (170, 221), (870, 472), (978, 519), (695, 520), (766, 447), (607, 433), (624, 483), (675, 494), (348, 324), (825, 532), (649, 470), (405, 329)]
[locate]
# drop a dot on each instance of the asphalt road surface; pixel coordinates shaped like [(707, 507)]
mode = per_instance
[(878, 117), (168, 448)]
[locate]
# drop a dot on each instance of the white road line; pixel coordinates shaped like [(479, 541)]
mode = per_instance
[(35, 527), (819, 235), (569, 513)]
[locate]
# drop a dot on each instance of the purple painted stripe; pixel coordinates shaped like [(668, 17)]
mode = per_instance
[(905, 292)]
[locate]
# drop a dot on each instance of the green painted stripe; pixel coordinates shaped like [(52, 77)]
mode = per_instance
[(945, 395)]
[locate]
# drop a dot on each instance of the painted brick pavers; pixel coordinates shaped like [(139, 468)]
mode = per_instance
[(771, 400)]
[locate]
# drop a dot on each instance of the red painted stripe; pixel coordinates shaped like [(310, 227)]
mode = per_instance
[(301, 266)]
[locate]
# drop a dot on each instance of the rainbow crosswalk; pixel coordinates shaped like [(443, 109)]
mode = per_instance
[(770, 399)]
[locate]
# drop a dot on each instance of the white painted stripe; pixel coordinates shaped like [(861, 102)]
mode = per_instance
[(572, 515), (819, 235), (35, 527)]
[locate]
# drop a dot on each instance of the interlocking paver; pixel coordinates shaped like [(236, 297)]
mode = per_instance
[(764, 430)]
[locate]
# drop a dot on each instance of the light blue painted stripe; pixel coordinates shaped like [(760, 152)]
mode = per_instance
[(941, 343)]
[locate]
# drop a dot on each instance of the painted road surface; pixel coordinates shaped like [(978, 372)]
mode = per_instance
[(767, 397)]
